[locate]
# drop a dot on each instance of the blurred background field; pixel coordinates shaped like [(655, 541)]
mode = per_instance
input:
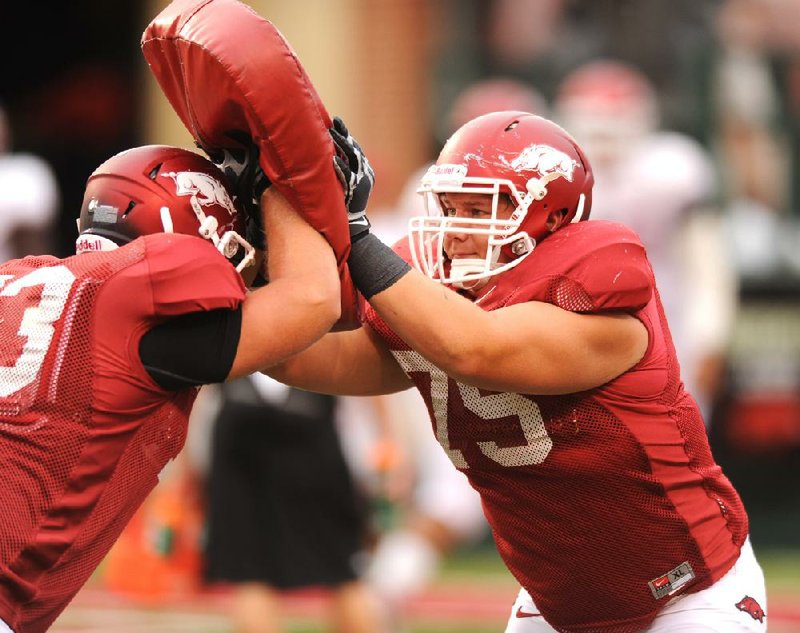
[(473, 594)]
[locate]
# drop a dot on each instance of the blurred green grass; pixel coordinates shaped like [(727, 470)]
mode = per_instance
[(782, 569)]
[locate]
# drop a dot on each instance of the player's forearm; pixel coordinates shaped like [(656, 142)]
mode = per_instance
[(342, 363), (298, 253), (316, 368), (296, 250), (531, 347), (435, 321), (301, 301), (444, 327)]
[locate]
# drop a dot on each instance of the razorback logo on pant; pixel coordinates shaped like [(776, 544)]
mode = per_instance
[(751, 606)]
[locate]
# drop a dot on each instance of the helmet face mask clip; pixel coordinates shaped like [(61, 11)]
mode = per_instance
[(229, 243)]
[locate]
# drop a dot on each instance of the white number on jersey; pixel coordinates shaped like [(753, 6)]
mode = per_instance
[(537, 442), (37, 323)]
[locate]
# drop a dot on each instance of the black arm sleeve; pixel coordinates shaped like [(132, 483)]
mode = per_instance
[(192, 349)]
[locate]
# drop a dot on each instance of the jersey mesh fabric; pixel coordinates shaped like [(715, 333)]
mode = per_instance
[(73, 478), (569, 295), (591, 495)]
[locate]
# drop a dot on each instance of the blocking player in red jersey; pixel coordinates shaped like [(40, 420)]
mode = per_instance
[(102, 353), (540, 346)]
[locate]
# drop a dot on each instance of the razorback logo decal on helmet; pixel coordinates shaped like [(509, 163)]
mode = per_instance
[(548, 161), (751, 607), (206, 189)]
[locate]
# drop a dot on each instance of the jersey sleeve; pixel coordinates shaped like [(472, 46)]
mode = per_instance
[(158, 277), (617, 276), (588, 267), (188, 274)]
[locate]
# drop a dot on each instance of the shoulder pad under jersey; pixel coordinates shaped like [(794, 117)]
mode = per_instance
[(592, 266), (188, 274)]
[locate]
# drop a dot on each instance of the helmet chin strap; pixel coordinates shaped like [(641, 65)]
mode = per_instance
[(90, 243), (460, 268), (466, 266)]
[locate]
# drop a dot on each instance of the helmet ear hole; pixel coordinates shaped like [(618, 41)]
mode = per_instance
[(556, 218)]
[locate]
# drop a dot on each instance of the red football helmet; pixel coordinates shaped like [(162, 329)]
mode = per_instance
[(161, 189), (530, 159)]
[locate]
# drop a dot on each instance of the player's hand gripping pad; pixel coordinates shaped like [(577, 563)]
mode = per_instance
[(226, 69)]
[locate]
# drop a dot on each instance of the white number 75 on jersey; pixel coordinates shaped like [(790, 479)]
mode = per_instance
[(537, 442)]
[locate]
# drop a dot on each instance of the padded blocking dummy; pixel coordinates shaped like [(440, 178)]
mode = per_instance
[(225, 69)]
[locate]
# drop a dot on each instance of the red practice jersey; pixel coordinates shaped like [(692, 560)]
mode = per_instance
[(606, 503), (84, 430)]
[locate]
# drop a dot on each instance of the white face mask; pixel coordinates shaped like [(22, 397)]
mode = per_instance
[(427, 233)]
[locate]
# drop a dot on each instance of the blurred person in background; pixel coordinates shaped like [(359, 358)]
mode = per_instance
[(750, 79), (423, 509), (29, 200), (664, 185), (540, 41), (434, 510), (282, 509), (753, 127)]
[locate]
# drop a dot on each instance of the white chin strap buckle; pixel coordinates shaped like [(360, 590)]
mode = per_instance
[(230, 243)]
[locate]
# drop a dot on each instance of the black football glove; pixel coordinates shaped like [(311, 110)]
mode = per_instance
[(356, 175), (247, 180)]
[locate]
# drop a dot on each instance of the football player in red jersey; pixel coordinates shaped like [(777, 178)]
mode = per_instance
[(540, 346), (101, 355)]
